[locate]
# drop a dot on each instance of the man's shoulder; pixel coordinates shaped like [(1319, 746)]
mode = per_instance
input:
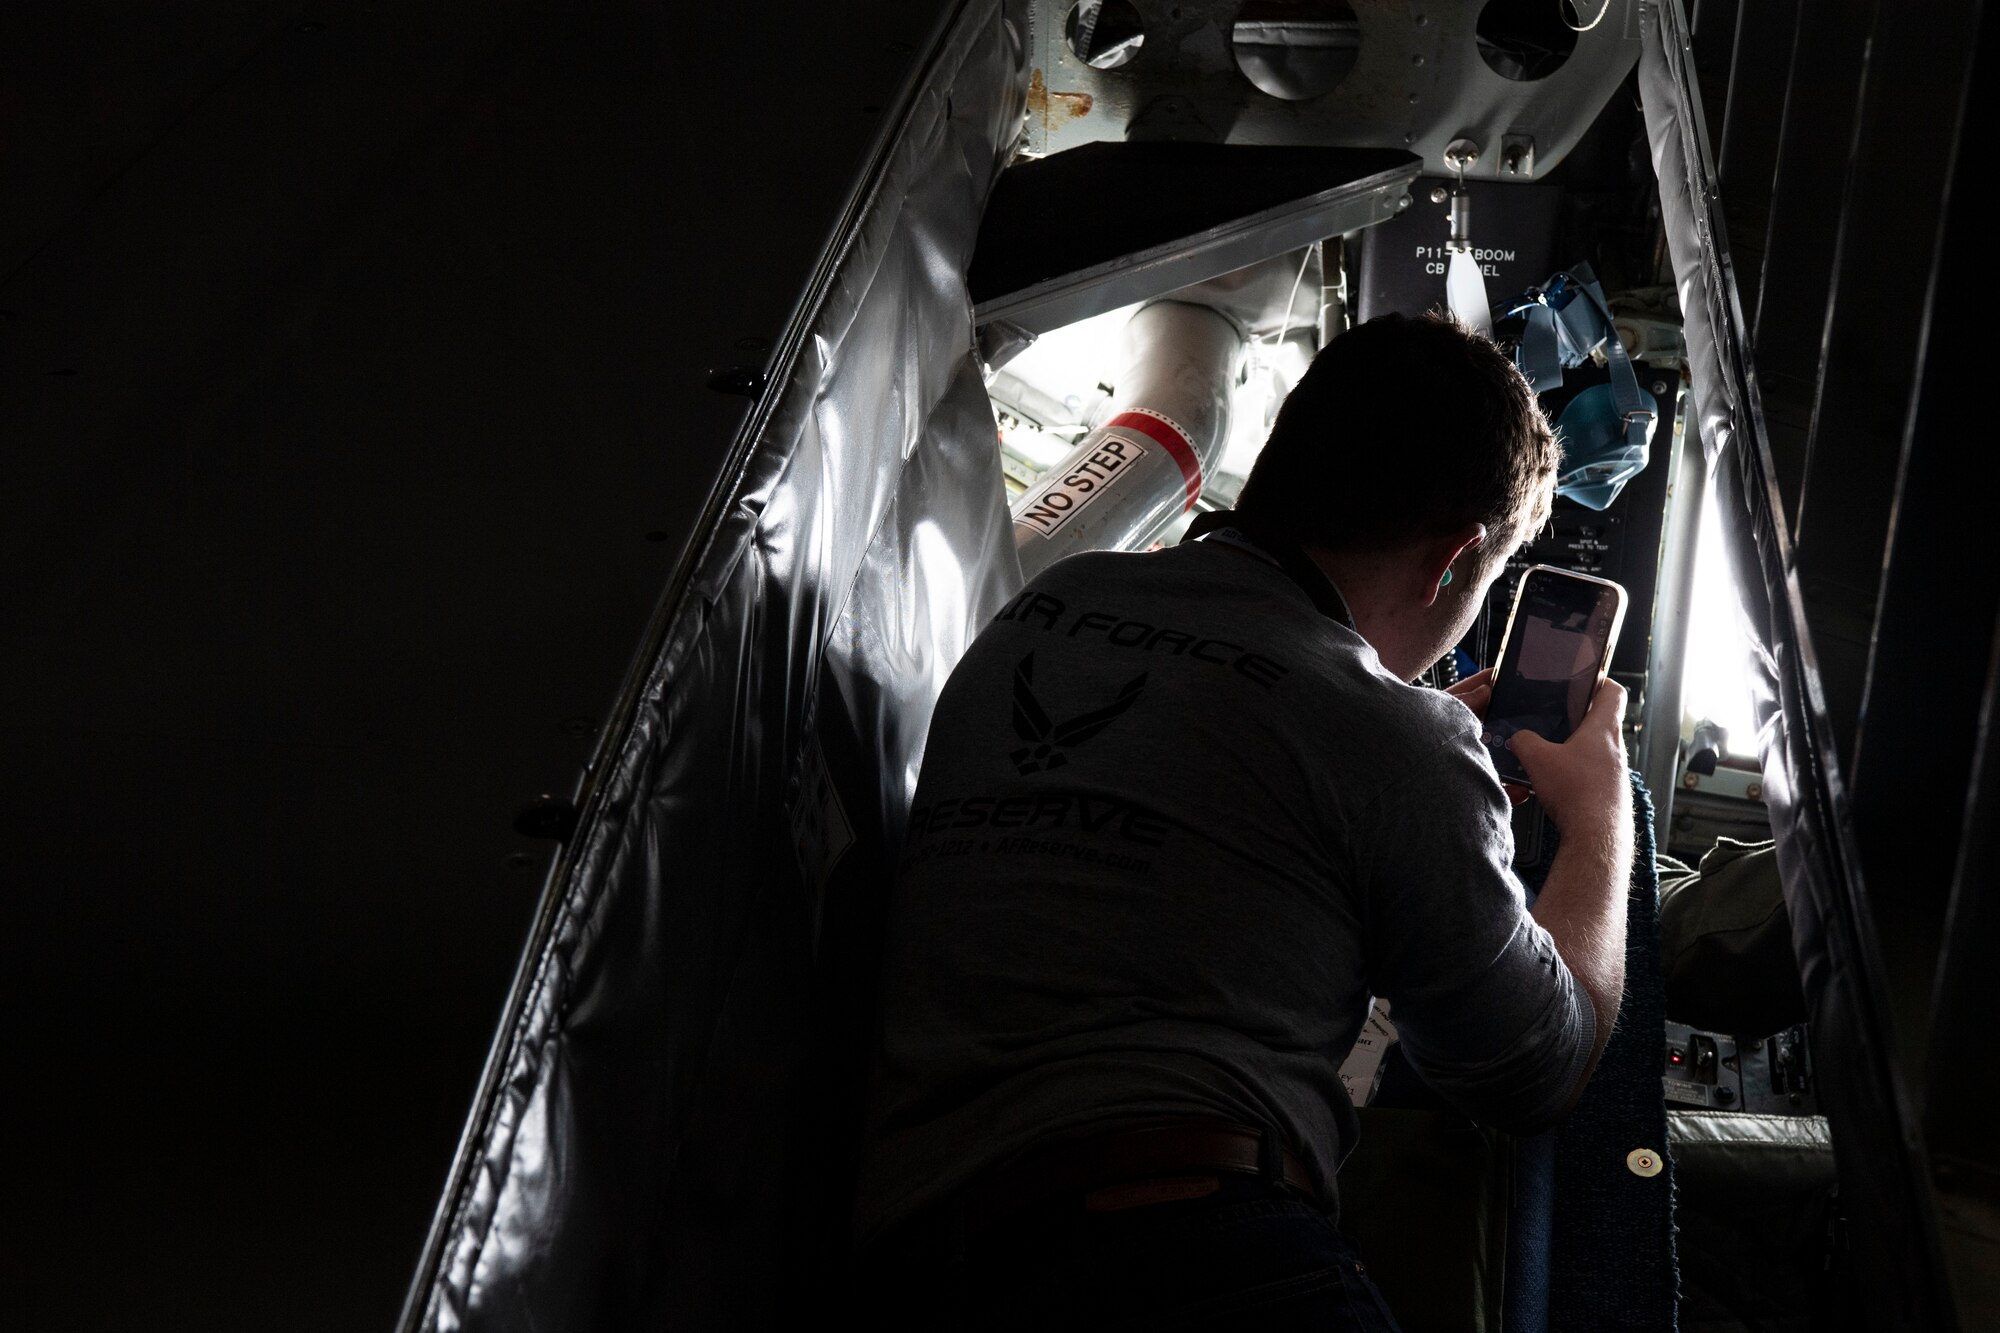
[(1168, 565), (1397, 725)]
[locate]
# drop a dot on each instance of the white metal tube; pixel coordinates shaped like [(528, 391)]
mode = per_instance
[(1147, 462)]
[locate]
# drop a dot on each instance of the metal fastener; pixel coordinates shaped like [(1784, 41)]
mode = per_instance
[(1644, 1162), (1439, 194)]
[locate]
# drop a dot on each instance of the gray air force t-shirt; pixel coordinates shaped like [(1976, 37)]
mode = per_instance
[(1174, 827)]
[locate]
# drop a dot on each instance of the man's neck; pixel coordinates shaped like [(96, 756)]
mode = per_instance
[(1377, 589)]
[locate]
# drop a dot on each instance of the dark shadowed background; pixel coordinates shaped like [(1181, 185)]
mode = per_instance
[(353, 412)]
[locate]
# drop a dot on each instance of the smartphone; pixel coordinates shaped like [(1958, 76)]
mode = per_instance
[(1557, 644)]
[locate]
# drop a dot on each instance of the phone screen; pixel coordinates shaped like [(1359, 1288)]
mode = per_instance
[(1558, 643)]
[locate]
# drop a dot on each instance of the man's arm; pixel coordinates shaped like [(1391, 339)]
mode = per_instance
[(1489, 1011), (1583, 785)]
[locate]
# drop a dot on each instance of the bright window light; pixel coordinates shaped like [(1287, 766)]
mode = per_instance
[(1715, 677)]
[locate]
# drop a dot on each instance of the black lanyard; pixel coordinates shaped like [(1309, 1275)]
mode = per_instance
[(1289, 557)]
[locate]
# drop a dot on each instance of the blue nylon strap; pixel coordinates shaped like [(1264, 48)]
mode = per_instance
[(1605, 431), (1540, 354)]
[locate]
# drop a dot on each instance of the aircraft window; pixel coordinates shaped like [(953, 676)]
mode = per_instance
[(1295, 49), (1104, 34), (1715, 683), (1525, 40)]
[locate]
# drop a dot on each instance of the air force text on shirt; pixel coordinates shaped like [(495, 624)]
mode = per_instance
[(1040, 610), (1058, 810)]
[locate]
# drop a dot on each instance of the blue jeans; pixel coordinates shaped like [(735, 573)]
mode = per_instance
[(1249, 1256)]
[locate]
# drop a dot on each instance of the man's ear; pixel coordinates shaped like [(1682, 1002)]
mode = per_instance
[(1443, 559)]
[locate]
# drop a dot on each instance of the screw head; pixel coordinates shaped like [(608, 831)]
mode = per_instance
[(1439, 194), (1659, 387)]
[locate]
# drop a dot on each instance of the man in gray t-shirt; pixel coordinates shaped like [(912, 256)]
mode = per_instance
[(1181, 815)]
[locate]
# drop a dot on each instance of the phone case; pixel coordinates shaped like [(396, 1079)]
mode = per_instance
[(1503, 760)]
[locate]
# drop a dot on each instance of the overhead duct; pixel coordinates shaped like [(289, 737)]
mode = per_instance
[(1125, 480)]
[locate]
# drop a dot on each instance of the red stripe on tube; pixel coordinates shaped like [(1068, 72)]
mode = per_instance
[(1170, 437)]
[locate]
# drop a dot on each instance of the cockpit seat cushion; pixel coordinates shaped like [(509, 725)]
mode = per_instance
[(1758, 1221)]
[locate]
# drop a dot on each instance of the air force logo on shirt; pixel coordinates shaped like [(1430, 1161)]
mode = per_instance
[(1047, 740)]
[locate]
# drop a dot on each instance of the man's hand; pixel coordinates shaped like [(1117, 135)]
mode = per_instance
[(1582, 782), (1583, 786), (1475, 692)]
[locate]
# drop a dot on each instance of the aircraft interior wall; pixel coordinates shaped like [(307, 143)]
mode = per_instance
[(524, 478)]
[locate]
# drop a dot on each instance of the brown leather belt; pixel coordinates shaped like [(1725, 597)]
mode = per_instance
[(1134, 1166)]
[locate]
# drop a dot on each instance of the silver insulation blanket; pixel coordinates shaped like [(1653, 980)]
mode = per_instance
[(1874, 1130), (662, 1135)]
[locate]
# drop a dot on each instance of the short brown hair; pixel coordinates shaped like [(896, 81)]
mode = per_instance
[(1404, 428)]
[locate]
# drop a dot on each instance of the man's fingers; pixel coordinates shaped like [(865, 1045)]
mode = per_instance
[(1473, 684), (1607, 706), (1476, 701), (1525, 743)]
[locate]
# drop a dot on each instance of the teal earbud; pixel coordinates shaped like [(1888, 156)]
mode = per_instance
[(1445, 582)]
